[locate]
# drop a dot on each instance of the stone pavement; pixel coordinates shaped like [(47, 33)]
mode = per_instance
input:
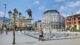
[(54, 36), (22, 39)]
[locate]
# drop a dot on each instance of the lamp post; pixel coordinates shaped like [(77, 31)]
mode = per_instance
[(4, 16), (30, 18), (19, 18), (14, 17)]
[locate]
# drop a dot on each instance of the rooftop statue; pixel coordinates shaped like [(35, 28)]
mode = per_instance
[(29, 12)]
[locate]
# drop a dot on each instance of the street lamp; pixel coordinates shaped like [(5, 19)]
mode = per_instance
[(10, 13), (19, 18), (14, 17)]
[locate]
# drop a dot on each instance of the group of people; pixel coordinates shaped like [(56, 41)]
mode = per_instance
[(1, 32)]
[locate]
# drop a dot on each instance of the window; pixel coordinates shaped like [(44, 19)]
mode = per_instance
[(79, 22), (74, 22)]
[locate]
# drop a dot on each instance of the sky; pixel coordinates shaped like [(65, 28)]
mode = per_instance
[(38, 7)]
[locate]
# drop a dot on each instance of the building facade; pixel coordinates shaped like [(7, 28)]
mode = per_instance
[(73, 21), (52, 20), (37, 25), (1, 23), (20, 23)]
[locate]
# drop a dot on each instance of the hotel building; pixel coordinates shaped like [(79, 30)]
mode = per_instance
[(52, 20), (73, 21)]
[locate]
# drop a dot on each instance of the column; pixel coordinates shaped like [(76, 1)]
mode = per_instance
[(77, 27), (77, 23)]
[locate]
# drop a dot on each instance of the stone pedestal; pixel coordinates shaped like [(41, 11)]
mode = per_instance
[(29, 25)]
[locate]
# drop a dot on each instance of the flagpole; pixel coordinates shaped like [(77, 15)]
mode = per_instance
[(4, 13)]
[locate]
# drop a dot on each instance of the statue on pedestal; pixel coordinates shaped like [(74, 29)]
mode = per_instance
[(29, 19), (29, 12)]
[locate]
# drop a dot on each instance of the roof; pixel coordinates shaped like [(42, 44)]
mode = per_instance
[(74, 15), (51, 11), (5, 19)]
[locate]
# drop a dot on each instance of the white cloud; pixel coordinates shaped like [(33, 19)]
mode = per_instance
[(62, 8), (47, 9), (73, 4), (69, 5), (78, 12), (65, 15), (59, 0), (41, 8), (36, 2), (1, 13)]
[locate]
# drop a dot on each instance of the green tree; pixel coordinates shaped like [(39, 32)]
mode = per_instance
[(23, 17), (73, 28), (68, 28), (79, 28)]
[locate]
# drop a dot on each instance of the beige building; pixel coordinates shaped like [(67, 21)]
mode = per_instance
[(1, 22), (20, 23), (38, 25)]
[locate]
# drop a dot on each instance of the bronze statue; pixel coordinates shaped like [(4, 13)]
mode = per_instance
[(29, 12)]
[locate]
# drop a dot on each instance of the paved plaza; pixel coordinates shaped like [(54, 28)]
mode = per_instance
[(32, 39)]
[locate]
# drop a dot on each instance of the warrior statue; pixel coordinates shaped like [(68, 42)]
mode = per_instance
[(29, 12)]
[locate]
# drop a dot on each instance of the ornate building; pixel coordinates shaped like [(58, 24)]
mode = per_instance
[(52, 20), (37, 25), (20, 23)]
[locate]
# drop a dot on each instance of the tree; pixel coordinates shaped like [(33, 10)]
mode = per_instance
[(79, 28), (73, 28), (68, 28), (23, 17)]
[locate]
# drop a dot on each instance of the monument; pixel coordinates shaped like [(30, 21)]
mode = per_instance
[(29, 25)]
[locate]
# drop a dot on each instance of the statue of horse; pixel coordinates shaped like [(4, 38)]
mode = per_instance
[(29, 12)]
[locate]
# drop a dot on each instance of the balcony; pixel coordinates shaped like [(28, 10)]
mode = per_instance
[(68, 21)]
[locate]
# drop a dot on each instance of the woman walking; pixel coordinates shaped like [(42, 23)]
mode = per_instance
[(41, 37)]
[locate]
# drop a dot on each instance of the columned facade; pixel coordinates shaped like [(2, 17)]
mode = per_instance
[(52, 20), (73, 21)]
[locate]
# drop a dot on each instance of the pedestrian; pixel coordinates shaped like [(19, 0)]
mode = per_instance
[(1, 31), (6, 32), (41, 37)]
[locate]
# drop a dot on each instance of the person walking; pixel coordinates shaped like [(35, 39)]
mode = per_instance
[(41, 37), (6, 32), (1, 32)]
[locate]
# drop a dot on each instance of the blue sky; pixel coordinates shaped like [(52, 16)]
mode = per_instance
[(65, 7)]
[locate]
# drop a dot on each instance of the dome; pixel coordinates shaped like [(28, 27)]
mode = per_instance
[(51, 11)]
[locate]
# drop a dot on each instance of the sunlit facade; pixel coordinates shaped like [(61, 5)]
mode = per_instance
[(52, 20), (73, 21), (1, 23)]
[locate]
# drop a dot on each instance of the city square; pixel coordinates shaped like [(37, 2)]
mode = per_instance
[(23, 39), (39, 22)]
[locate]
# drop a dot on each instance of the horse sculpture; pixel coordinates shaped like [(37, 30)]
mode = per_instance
[(29, 12)]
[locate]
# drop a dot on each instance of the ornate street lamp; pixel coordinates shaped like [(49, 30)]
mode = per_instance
[(20, 14), (29, 19), (14, 17), (10, 13), (19, 18)]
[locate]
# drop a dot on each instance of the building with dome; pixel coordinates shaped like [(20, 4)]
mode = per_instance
[(52, 21)]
